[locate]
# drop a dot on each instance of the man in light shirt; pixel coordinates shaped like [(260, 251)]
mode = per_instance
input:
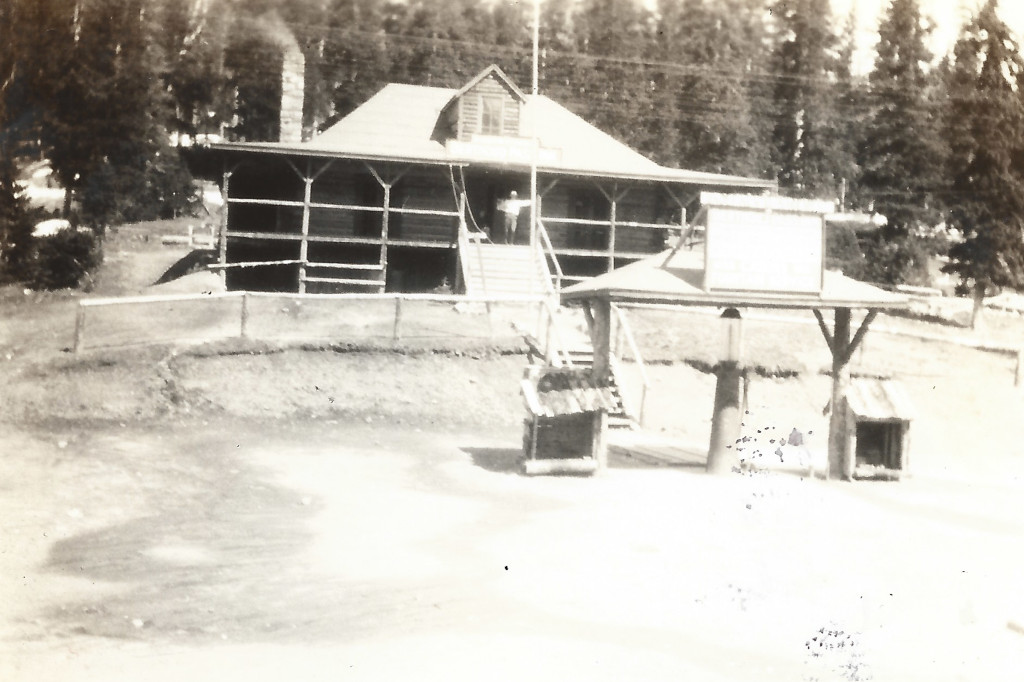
[(511, 208)]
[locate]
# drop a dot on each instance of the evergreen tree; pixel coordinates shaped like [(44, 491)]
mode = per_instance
[(614, 85), (439, 50), (15, 218), (15, 225), (903, 153), (712, 46), (985, 128), (557, 36), (851, 105), (192, 45), (807, 151), (253, 63), (356, 58), (106, 126)]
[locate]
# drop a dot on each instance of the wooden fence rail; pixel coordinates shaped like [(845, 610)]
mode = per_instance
[(245, 309)]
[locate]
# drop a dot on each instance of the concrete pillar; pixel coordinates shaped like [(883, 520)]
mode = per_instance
[(726, 419)]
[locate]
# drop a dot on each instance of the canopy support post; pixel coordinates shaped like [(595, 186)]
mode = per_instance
[(841, 459)]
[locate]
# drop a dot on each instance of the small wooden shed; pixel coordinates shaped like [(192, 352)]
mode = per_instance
[(878, 414), (567, 412)]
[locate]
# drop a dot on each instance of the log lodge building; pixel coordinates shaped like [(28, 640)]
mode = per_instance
[(405, 194)]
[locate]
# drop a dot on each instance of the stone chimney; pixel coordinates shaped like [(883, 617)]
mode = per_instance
[(293, 93), (293, 77)]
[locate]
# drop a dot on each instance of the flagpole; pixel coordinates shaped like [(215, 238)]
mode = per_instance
[(533, 126)]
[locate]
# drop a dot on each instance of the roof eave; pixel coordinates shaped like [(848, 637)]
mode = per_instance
[(291, 150), (728, 300)]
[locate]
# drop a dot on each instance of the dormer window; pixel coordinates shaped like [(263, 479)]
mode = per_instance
[(490, 105), (491, 114)]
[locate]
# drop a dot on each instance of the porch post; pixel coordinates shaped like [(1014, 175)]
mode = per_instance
[(384, 232), (600, 320), (223, 246), (601, 338), (304, 244), (611, 229), (838, 443), (841, 458)]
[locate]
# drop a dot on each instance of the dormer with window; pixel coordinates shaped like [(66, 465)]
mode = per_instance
[(490, 105)]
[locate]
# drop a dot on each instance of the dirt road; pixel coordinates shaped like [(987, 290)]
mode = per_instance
[(305, 549)]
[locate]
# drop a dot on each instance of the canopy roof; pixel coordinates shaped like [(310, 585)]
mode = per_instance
[(879, 400), (399, 122), (676, 278)]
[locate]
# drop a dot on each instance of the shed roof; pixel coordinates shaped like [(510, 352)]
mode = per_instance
[(879, 400), (398, 124), (677, 279), (558, 392)]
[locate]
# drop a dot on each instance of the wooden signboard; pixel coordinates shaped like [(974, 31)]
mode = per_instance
[(764, 243)]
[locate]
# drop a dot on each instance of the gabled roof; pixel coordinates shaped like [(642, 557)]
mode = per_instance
[(399, 121), (491, 70)]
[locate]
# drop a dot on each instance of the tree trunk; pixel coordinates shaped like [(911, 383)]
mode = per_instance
[(979, 304)]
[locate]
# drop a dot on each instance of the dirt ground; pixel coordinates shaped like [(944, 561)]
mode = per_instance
[(267, 509), (258, 549)]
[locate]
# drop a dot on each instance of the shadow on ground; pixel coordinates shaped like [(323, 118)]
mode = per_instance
[(193, 262), (500, 460)]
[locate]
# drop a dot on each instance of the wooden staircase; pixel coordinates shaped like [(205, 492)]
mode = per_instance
[(580, 353), (505, 270), (619, 417)]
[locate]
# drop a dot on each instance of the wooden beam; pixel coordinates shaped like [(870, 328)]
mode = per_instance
[(296, 169), (323, 169), (550, 186), (393, 178), (859, 336), (601, 339), (824, 330), (685, 201), (840, 464)]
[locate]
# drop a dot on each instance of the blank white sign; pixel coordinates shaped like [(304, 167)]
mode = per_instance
[(756, 250)]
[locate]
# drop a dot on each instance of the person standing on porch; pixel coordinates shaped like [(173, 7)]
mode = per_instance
[(510, 208)]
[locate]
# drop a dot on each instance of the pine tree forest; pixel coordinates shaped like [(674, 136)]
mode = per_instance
[(106, 89)]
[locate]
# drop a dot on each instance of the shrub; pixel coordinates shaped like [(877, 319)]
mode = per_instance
[(139, 189), (899, 258), (64, 260), (842, 251)]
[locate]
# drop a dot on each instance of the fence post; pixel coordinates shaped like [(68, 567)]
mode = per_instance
[(80, 327), (244, 331), (397, 333)]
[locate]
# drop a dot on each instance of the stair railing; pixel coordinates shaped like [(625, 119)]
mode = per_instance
[(548, 251), (556, 352), (478, 249), (463, 239), (634, 349)]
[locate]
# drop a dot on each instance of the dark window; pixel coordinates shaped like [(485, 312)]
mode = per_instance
[(589, 205), (491, 109), (370, 194)]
